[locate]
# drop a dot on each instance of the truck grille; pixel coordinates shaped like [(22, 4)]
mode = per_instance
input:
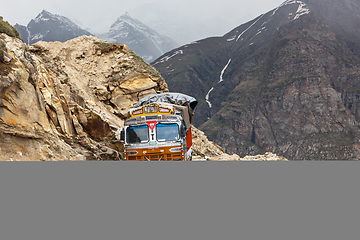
[(155, 157)]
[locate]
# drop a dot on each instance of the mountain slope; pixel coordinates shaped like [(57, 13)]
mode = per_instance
[(287, 81), (144, 41), (50, 27)]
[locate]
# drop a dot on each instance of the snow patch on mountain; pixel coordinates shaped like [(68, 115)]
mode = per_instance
[(302, 9), (223, 71), (208, 96), (249, 27), (38, 36), (231, 39), (167, 58)]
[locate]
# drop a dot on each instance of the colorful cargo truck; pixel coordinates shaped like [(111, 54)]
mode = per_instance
[(158, 128)]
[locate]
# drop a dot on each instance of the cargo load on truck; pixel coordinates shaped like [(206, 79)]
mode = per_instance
[(158, 128)]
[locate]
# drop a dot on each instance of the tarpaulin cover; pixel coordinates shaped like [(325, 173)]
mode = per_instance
[(184, 103), (173, 98)]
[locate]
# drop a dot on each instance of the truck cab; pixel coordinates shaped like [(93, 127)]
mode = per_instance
[(158, 131)]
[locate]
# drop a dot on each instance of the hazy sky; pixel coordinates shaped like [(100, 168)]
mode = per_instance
[(182, 20)]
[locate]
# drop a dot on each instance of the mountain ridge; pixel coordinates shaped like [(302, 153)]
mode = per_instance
[(145, 41), (243, 80)]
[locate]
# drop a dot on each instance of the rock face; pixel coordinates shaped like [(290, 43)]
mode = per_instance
[(50, 27), (286, 82), (67, 101), (205, 150)]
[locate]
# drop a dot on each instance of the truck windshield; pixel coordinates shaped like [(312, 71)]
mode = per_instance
[(137, 134), (167, 132)]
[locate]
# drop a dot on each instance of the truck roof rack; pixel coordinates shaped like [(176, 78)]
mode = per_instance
[(173, 98)]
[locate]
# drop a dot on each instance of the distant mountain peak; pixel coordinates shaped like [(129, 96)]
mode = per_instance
[(303, 8), (143, 40), (48, 16), (127, 19), (44, 12), (50, 27), (45, 16)]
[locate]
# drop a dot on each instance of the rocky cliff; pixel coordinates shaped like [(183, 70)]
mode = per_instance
[(67, 101), (285, 82)]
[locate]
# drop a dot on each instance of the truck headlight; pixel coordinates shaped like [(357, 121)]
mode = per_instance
[(131, 153), (178, 149)]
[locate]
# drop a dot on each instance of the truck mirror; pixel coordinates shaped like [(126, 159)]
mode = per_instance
[(122, 134), (182, 131)]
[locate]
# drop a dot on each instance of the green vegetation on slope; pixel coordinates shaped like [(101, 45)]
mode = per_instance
[(2, 49), (6, 27)]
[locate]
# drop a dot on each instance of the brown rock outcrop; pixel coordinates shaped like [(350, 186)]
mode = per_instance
[(205, 150), (65, 101)]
